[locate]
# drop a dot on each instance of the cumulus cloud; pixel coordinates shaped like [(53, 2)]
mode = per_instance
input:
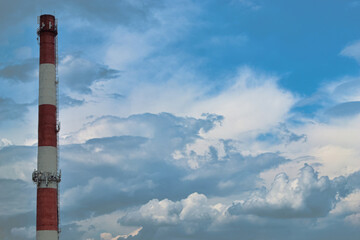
[(306, 196), (334, 145), (121, 154), (328, 124), (108, 236), (163, 138), (285, 204), (154, 165), (194, 213), (239, 104), (246, 105), (348, 208), (165, 149)]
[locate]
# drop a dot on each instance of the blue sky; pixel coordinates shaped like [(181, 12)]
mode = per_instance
[(188, 119)]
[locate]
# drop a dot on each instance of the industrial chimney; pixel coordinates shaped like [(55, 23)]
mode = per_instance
[(47, 176)]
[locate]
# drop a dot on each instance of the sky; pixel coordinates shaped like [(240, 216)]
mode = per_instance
[(184, 119)]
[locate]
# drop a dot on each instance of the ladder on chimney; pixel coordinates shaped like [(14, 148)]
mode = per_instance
[(57, 126)]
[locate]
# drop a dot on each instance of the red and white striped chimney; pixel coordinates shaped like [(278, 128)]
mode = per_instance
[(47, 176)]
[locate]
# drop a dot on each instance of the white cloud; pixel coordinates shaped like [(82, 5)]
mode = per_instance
[(108, 236), (253, 5), (353, 219), (123, 160), (346, 89), (348, 205), (24, 52), (127, 47), (287, 201), (305, 196), (4, 142), (252, 102), (24, 232), (352, 50), (104, 225), (201, 152), (334, 145), (110, 126), (193, 213), (17, 162)]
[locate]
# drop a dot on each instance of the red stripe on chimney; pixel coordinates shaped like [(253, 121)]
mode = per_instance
[(47, 125), (47, 211)]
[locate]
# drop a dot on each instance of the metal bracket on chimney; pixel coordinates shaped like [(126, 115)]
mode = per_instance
[(46, 177)]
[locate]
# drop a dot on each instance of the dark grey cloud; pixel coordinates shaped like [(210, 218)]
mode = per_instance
[(111, 12), (116, 96), (19, 14), (292, 229), (16, 196), (353, 181), (126, 12), (194, 217), (280, 135), (10, 110), (139, 175), (11, 14), (110, 166), (71, 231), (17, 192), (77, 74), (23, 72), (346, 109), (11, 223), (98, 181), (13, 154), (67, 101), (113, 164), (23, 232)]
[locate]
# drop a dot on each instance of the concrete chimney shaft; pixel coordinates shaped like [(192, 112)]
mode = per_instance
[(47, 176)]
